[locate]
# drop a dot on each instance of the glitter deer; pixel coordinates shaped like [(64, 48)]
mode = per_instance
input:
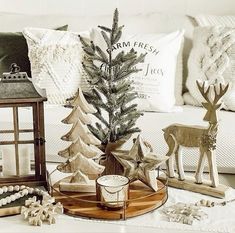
[(204, 138)]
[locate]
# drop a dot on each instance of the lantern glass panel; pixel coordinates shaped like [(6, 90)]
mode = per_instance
[(26, 160), (25, 115), (17, 142), (8, 161), (26, 136), (7, 118), (5, 137)]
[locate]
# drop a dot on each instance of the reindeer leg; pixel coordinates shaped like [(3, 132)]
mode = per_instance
[(170, 162), (213, 168), (179, 163), (200, 166), (170, 167)]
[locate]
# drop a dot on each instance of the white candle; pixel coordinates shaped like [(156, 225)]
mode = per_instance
[(113, 190), (8, 161), (24, 161)]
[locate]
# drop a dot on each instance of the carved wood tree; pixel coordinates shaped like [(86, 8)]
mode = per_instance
[(83, 149)]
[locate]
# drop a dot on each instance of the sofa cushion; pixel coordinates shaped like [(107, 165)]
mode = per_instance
[(215, 20), (212, 59), (13, 49), (55, 58), (158, 78)]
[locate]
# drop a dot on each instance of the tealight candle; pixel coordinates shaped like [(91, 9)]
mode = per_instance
[(112, 191)]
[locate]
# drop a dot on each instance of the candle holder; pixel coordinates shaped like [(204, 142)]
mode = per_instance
[(22, 145), (112, 191)]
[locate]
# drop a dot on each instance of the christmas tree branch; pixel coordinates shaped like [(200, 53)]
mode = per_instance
[(97, 133), (111, 89)]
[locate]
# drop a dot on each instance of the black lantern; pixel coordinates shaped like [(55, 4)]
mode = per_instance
[(22, 142)]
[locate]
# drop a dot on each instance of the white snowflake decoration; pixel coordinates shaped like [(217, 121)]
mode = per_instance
[(38, 211), (184, 213)]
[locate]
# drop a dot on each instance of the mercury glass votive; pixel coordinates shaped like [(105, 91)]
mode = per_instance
[(112, 191)]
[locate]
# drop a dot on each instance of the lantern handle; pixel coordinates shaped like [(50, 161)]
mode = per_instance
[(14, 68)]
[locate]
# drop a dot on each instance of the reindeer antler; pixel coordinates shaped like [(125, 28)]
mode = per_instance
[(204, 93), (221, 92), (218, 94)]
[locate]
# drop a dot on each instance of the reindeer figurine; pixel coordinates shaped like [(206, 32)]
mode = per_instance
[(204, 138)]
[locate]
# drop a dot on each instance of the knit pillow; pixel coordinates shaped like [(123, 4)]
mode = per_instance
[(13, 49), (213, 59), (55, 62), (155, 84), (215, 20)]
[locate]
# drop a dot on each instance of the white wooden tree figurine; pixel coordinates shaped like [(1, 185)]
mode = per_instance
[(204, 138), (83, 149)]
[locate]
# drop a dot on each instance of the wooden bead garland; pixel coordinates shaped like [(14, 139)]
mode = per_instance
[(208, 203), (36, 211), (21, 191)]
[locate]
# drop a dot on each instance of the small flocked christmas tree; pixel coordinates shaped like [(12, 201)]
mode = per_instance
[(83, 150), (111, 92)]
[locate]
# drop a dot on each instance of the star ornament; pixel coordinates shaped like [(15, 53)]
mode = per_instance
[(140, 162)]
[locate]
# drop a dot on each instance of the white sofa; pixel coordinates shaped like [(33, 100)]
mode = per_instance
[(151, 123)]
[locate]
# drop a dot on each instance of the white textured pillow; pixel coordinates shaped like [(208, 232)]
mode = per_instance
[(55, 58), (213, 59), (215, 20), (155, 84)]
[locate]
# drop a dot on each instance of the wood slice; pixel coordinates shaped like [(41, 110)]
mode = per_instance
[(142, 200), (65, 185)]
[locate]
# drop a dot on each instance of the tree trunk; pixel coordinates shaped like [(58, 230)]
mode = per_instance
[(112, 166)]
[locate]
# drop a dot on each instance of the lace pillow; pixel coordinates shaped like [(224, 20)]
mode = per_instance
[(155, 84), (213, 59), (55, 62)]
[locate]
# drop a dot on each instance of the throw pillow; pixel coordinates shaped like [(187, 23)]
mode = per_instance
[(13, 49), (215, 20), (155, 84), (213, 59), (55, 62)]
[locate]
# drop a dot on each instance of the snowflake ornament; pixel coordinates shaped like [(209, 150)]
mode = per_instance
[(39, 211), (184, 213)]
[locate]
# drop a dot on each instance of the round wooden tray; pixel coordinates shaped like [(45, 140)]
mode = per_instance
[(142, 200)]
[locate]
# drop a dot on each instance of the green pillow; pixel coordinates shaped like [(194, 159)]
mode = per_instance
[(14, 49)]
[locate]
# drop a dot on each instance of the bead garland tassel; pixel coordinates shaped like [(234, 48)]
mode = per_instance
[(35, 211)]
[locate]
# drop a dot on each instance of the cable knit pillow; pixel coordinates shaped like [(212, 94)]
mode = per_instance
[(215, 20), (55, 62), (213, 59), (155, 84)]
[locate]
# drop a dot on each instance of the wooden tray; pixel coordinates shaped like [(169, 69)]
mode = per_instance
[(142, 200)]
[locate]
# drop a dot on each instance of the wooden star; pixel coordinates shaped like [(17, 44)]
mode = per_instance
[(139, 163)]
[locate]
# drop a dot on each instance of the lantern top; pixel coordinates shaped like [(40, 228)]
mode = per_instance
[(17, 85)]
